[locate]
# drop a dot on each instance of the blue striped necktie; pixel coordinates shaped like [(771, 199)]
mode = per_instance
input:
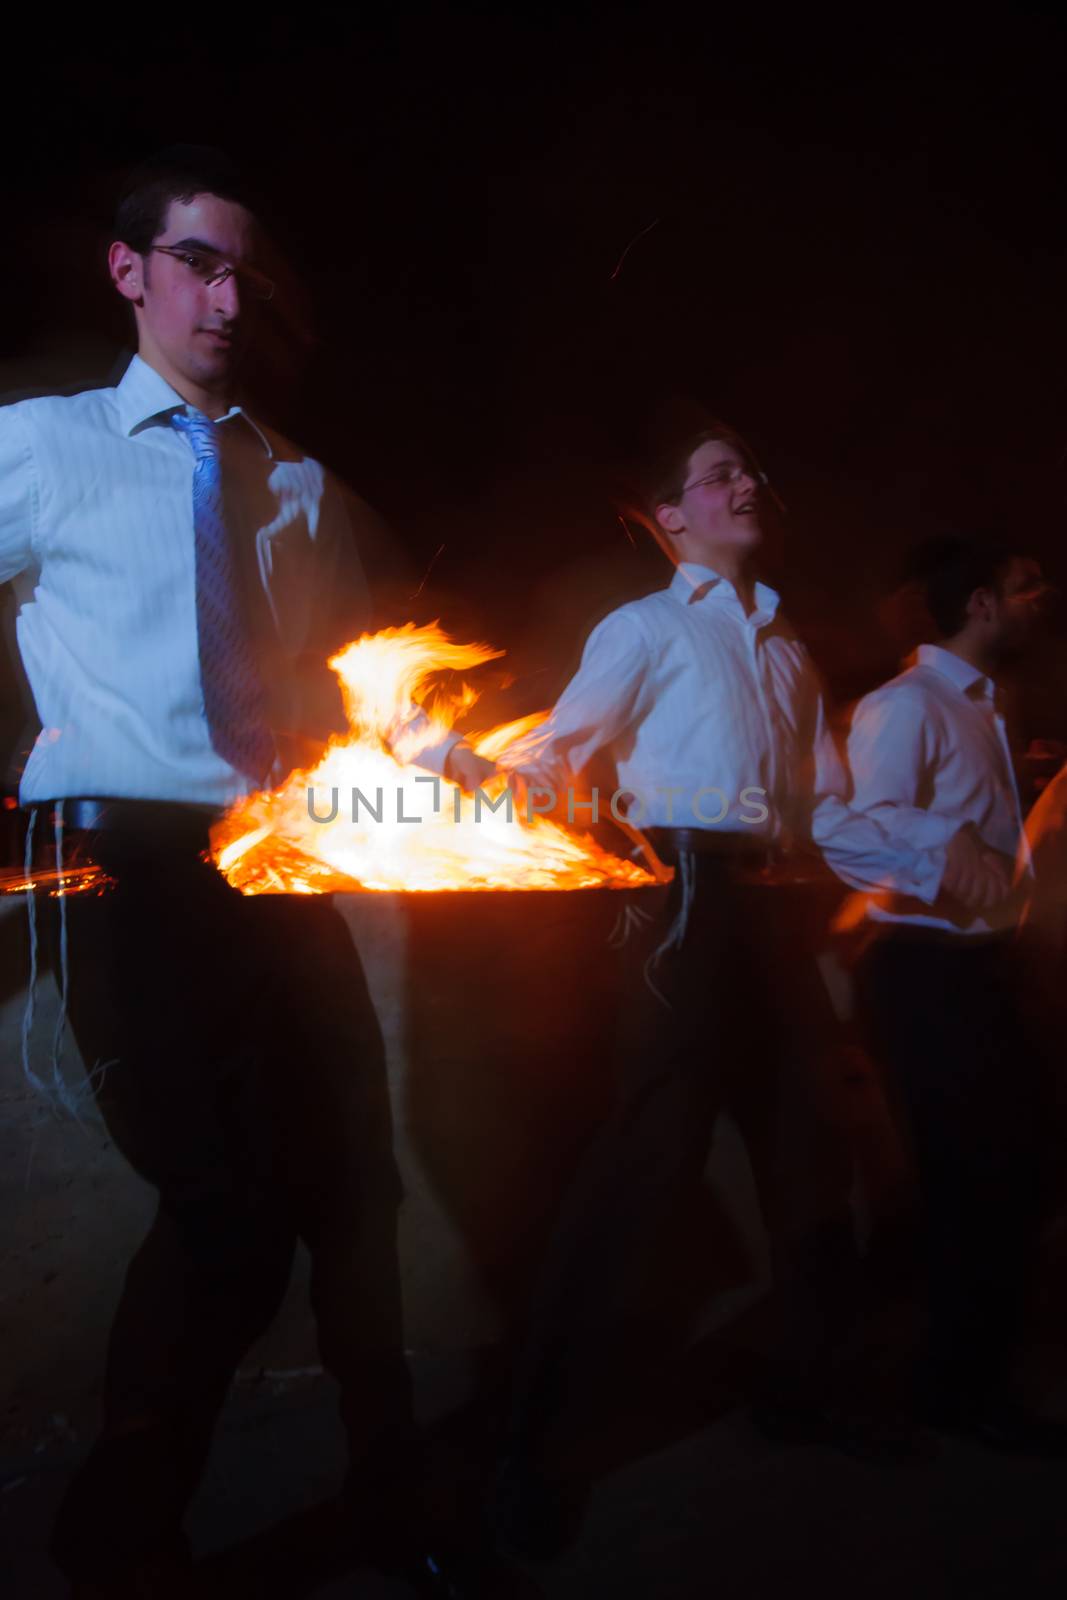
[(234, 698)]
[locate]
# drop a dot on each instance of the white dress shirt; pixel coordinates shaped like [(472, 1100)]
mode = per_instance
[(691, 697), (96, 530), (931, 744)]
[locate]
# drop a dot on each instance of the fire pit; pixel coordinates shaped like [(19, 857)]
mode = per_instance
[(366, 818), (507, 1009), (509, 985)]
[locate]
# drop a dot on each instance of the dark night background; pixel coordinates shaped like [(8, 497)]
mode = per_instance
[(859, 259)]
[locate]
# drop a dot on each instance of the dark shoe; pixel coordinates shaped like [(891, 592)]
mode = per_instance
[(1004, 1426)]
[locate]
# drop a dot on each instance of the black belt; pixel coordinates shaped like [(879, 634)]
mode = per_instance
[(670, 843), (747, 860), (163, 818)]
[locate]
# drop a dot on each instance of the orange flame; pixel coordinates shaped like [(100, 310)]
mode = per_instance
[(397, 828), (84, 879)]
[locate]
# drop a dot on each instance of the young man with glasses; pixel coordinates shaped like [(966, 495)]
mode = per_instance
[(707, 705), (181, 574)]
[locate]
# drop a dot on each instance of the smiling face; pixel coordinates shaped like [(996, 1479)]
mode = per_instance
[(716, 519), (191, 331)]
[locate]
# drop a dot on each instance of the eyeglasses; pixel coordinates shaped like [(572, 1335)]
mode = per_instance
[(213, 270), (726, 473)]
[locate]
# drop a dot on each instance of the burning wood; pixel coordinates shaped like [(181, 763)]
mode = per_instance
[(365, 818)]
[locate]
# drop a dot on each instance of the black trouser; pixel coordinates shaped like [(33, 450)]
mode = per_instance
[(943, 1017), (736, 1024), (243, 1076)]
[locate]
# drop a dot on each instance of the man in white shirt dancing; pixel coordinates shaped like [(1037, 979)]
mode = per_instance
[(181, 574), (940, 994), (708, 706)]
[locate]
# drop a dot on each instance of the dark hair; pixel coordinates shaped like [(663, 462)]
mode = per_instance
[(953, 569), (665, 478), (177, 173)]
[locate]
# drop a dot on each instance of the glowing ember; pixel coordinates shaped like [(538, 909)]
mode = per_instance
[(87, 879), (364, 818)]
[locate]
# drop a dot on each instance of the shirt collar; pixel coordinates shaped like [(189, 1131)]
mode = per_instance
[(144, 396), (690, 576), (967, 679)]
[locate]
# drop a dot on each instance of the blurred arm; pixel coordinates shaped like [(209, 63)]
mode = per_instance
[(609, 691), (879, 837)]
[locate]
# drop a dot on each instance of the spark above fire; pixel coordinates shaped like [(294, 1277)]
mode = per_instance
[(389, 825)]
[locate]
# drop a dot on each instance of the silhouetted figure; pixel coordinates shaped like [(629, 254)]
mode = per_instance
[(928, 752)]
